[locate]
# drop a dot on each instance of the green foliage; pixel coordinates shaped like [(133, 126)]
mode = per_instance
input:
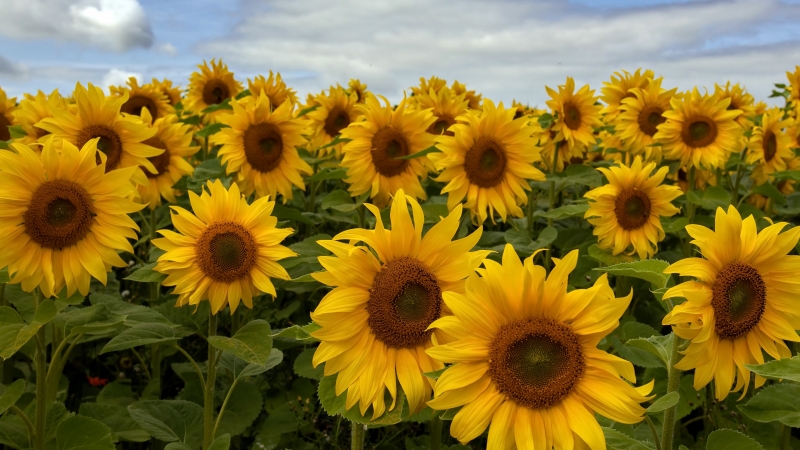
[(782, 369), (83, 433), (170, 420), (252, 343), (778, 402), (731, 440), (650, 270)]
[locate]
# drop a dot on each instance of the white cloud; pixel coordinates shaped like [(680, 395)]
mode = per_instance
[(167, 49), (116, 25), (116, 77), (510, 49)]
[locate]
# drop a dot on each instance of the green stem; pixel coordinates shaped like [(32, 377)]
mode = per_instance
[(786, 437), (195, 366), (436, 433), (361, 215), (41, 381), (553, 167), (24, 417), (57, 363), (356, 436), (673, 382), (208, 400), (653, 430), (143, 363), (224, 404), (155, 362)]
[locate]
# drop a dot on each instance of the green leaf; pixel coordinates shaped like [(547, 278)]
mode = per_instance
[(170, 420), (143, 334), (283, 212), (336, 141), (303, 367), (674, 224), (191, 120), (223, 105), (243, 94), (655, 345), (435, 374), (524, 245), (328, 174), (713, 197), (778, 402), (577, 174), (298, 333), (421, 153), (781, 369), (618, 441), (13, 431), (650, 270), (563, 212), (208, 170), (244, 406), (12, 393), (134, 314), (769, 190), (341, 201), (118, 419), (83, 433), (310, 247), (221, 443), (546, 120), (604, 256), (4, 278), (305, 111), (731, 440), (241, 368), (146, 274), (335, 404), (251, 343), (14, 335), (665, 402), (177, 446), (17, 132), (95, 319)]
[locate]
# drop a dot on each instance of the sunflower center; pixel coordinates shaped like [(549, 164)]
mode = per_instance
[(5, 133), (59, 215), (136, 103), (770, 146), (739, 298), (161, 162), (404, 299), (337, 120), (110, 144), (263, 146), (572, 116), (518, 114), (215, 92), (226, 251), (649, 119), (387, 144), (441, 125), (632, 209), (536, 361), (699, 132), (485, 162)]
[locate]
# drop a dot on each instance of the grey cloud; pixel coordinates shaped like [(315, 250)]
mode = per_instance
[(11, 69)]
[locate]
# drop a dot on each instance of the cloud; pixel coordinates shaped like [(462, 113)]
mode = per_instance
[(116, 77), (12, 69), (116, 25), (167, 49), (510, 49)]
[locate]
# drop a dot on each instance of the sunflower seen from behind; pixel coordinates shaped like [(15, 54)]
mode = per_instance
[(225, 251), (273, 87), (335, 111), (576, 113), (770, 146), (146, 96), (375, 321), (63, 217), (32, 109), (525, 361), (210, 87), (376, 143), (488, 161), (7, 107), (742, 303), (615, 91), (627, 211), (640, 114), (260, 147)]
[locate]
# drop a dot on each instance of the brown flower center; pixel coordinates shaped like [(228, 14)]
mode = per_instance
[(650, 118), (572, 116), (215, 92), (161, 162), (263, 146), (485, 162), (441, 125), (5, 133), (770, 145), (337, 120), (699, 132), (388, 144), (110, 144), (404, 300), (536, 361), (739, 298), (59, 215), (632, 209), (136, 103), (226, 251)]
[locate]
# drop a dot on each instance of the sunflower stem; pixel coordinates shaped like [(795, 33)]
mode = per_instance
[(208, 400), (673, 382), (41, 381), (436, 433), (653, 430), (356, 436), (786, 437)]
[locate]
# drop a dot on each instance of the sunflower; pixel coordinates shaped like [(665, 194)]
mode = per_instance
[(175, 138), (425, 86), (740, 100), (225, 252), (770, 146), (375, 321), (547, 141), (140, 97), (619, 88), (794, 90), (7, 107), (526, 362), (488, 160), (211, 86), (273, 87), (375, 144), (261, 147), (32, 109), (97, 116), (335, 112), (576, 113), (173, 93), (785, 187), (359, 88), (445, 106), (473, 99), (640, 115), (63, 218), (702, 179), (743, 302), (609, 148), (699, 130), (627, 211)]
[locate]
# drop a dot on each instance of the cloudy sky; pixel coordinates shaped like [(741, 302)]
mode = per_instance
[(506, 49)]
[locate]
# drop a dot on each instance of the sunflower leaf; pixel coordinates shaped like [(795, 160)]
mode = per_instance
[(421, 153), (284, 212), (303, 365), (726, 439), (655, 345), (604, 256), (17, 131), (14, 333), (769, 190), (252, 343), (713, 197), (782, 369), (341, 201), (4, 278), (778, 402), (170, 420), (212, 129), (336, 141), (147, 274), (335, 404), (11, 395), (545, 120), (435, 374), (83, 433), (328, 174), (141, 334), (651, 270), (225, 104), (616, 440), (665, 402), (305, 111), (564, 212)]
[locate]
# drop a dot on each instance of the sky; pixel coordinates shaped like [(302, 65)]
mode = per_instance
[(504, 49)]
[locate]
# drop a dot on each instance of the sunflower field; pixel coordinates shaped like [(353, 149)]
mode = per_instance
[(226, 267)]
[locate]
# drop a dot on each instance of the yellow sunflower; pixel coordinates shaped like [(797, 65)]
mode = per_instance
[(547, 141), (97, 116), (577, 113), (744, 301), (740, 100), (140, 97), (63, 218), (7, 107), (226, 252), (359, 88), (473, 99), (273, 87), (627, 211), (445, 106), (425, 86), (211, 86), (610, 149), (794, 90), (260, 147), (770, 146), (375, 321), (699, 130), (640, 115), (175, 138), (173, 93), (525, 361), (32, 109), (488, 160), (619, 88), (376, 141), (335, 112)]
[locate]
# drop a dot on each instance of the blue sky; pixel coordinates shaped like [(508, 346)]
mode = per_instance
[(506, 49)]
